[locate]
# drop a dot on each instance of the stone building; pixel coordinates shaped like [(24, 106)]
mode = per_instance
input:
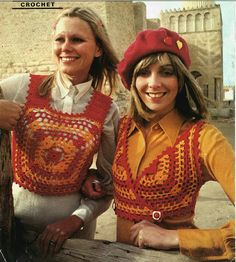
[(26, 33), (26, 36), (200, 23)]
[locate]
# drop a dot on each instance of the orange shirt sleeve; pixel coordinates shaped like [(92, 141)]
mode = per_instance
[(218, 160), (208, 244)]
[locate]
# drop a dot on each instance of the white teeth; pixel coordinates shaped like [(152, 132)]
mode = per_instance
[(154, 95), (66, 59)]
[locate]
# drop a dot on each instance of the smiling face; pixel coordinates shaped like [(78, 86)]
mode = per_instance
[(157, 86), (74, 48)]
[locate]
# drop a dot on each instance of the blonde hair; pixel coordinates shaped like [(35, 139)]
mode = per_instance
[(103, 68), (189, 100)]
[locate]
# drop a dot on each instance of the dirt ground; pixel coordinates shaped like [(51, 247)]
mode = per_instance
[(213, 207)]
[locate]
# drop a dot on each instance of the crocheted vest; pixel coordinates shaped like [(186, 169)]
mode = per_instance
[(168, 187), (53, 150)]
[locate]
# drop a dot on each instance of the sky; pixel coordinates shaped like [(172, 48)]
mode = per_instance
[(228, 12)]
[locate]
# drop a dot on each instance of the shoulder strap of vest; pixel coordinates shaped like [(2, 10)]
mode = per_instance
[(98, 106), (33, 97), (123, 126)]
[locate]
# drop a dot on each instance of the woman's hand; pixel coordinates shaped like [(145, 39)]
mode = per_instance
[(10, 113), (147, 234), (92, 186), (54, 235)]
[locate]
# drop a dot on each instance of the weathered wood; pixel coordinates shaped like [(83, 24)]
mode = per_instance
[(6, 198), (76, 250)]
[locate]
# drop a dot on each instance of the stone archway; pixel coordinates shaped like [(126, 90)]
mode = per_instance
[(200, 79), (196, 74)]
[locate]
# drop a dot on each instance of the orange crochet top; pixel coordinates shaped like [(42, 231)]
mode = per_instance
[(168, 187), (52, 151)]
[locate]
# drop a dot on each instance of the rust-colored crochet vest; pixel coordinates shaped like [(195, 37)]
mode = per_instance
[(53, 150), (167, 188)]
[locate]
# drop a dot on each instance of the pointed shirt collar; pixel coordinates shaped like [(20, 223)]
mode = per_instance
[(65, 86), (170, 124)]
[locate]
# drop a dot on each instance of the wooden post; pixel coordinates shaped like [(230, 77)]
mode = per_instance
[(6, 198)]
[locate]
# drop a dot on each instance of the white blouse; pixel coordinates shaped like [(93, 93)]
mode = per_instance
[(38, 210)]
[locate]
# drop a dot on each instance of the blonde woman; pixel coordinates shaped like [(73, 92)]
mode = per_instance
[(66, 120)]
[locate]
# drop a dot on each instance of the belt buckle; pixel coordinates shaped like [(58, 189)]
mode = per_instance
[(156, 215)]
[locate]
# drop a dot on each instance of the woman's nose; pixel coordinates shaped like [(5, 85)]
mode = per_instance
[(154, 81), (66, 45)]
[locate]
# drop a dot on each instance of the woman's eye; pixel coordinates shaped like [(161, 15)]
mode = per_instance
[(77, 40), (143, 72), (59, 39), (167, 72), (72, 40)]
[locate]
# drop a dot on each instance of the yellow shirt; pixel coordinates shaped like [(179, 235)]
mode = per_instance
[(211, 244)]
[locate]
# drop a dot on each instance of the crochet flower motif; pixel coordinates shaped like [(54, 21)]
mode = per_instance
[(54, 155)]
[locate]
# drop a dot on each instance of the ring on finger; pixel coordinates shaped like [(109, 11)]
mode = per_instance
[(52, 243), (96, 181)]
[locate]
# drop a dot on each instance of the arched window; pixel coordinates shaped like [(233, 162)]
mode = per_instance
[(190, 23), (172, 23), (198, 23), (181, 25), (207, 21), (196, 74)]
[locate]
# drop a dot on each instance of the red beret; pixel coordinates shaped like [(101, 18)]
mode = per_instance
[(148, 42)]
